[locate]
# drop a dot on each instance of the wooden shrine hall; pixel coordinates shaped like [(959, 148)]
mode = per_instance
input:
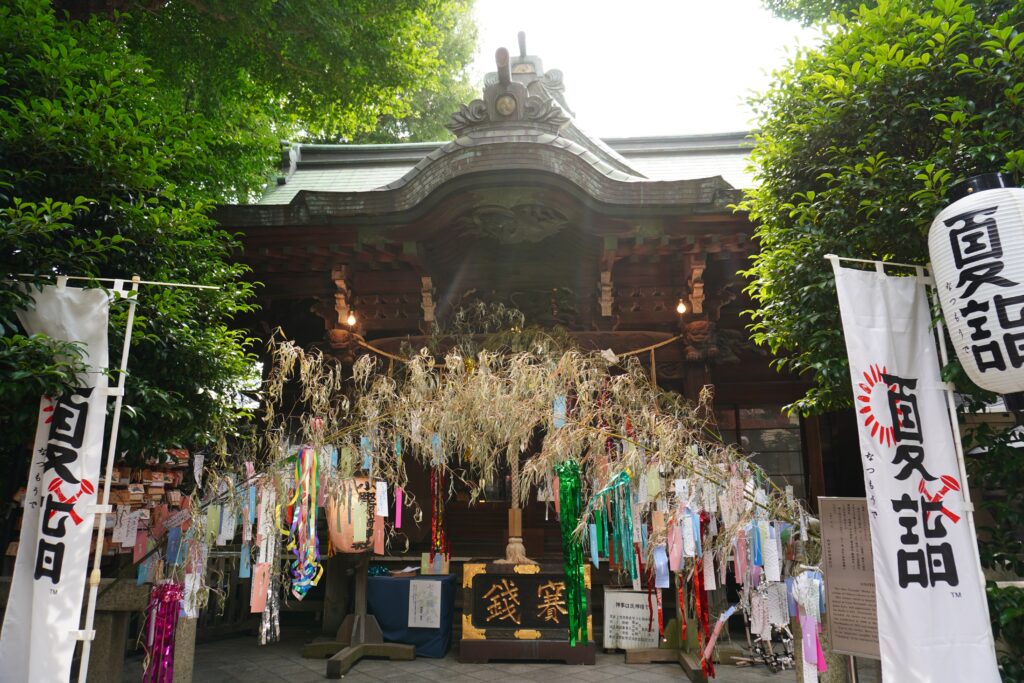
[(624, 243)]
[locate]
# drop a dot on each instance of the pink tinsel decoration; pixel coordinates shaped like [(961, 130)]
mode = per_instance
[(161, 622)]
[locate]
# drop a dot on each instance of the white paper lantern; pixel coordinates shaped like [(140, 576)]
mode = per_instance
[(977, 252)]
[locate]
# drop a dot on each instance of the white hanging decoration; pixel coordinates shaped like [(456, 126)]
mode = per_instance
[(976, 246)]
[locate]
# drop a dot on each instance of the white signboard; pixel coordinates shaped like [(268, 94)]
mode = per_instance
[(932, 615), (424, 604), (849, 570), (627, 621), (45, 604)]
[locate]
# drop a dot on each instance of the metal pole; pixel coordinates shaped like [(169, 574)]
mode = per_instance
[(87, 633), (960, 461)]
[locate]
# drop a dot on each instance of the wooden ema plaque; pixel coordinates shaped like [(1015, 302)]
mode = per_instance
[(518, 611)]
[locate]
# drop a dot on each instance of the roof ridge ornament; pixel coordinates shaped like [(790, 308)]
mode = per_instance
[(519, 91)]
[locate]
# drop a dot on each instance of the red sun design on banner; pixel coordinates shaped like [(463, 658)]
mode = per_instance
[(873, 397)]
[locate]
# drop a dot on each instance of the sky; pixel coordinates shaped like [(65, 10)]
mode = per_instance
[(646, 67)]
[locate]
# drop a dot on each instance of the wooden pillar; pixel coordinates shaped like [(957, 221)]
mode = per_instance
[(815, 466), (697, 375)]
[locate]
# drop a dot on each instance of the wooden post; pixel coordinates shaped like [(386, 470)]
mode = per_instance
[(359, 635)]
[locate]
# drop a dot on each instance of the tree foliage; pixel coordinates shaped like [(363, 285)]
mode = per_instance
[(123, 123), (860, 139), (332, 71), (809, 12)]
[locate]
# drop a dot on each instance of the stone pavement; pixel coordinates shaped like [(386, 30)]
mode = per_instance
[(241, 659)]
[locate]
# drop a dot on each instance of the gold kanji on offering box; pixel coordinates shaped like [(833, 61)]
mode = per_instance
[(506, 606)]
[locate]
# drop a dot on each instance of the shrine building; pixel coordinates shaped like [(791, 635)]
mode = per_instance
[(625, 243)]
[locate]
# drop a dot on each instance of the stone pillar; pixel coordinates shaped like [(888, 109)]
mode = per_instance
[(106, 660), (184, 650), (113, 612)]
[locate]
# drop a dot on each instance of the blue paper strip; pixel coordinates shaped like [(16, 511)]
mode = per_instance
[(559, 411), (660, 567), (144, 568), (252, 504), (244, 564), (173, 545), (593, 545), (334, 457), (695, 520), (756, 549), (364, 448)]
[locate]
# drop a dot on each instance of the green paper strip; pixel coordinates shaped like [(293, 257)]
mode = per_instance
[(570, 501)]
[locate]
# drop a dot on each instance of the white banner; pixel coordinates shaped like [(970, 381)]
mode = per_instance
[(45, 604), (932, 616)]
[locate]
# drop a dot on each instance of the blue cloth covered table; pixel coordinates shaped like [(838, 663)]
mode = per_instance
[(387, 598)]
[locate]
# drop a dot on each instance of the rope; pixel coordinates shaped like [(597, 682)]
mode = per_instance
[(651, 348)]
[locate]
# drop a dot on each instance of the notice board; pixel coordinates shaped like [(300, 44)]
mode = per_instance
[(627, 621), (848, 566)]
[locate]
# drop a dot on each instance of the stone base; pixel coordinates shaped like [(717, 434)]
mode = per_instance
[(483, 651)]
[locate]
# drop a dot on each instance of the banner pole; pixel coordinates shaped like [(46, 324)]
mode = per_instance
[(965, 489), (94, 576)]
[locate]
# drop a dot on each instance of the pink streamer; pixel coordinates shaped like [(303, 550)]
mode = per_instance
[(161, 621), (741, 557), (822, 662), (716, 632), (398, 507), (675, 547)]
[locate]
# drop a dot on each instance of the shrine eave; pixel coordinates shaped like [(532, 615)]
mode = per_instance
[(474, 163)]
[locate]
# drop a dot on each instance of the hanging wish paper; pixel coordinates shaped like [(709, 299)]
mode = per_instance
[(382, 499), (131, 530), (772, 561), (141, 544), (593, 545), (121, 524), (689, 542), (364, 450), (190, 603), (661, 578), (173, 546), (359, 512), (653, 483), (212, 522), (559, 411), (197, 469), (146, 566), (244, 563), (709, 571), (378, 535), (260, 584)]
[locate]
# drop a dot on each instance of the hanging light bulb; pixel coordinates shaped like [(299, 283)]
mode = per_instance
[(351, 319), (681, 307)]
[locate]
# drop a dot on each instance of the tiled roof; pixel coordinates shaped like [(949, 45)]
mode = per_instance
[(355, 168)]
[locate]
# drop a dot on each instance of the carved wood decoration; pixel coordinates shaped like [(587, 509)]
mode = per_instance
[(606, 299), (697, 263), (427, 299)]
